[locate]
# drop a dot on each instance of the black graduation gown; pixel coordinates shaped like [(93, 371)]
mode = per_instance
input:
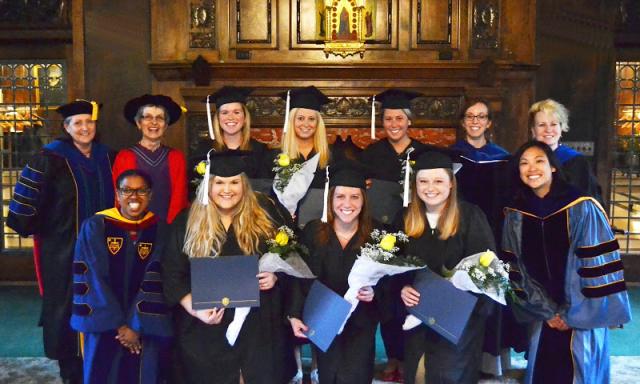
[(384, 162), (256, 158), (55, 226), (261, 350), (578, 172), (350, 358), (446, 362)]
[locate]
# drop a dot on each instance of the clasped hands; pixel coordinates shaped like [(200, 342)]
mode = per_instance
[(556, 322), (129, 339)]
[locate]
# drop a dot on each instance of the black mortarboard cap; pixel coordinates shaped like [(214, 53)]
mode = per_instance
[(396, 98), (348, 174), (432, 157), (132, 106), (228, 163), (308, 97), (79, 107), (229, 94)]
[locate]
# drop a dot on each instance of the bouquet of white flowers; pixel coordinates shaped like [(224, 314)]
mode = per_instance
[(479, 273), (377, 259), (483, 273), (285, 255), (292, 181)]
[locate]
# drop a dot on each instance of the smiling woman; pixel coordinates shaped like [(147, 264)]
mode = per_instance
[(230, 130), (442, 231), (152, 115), (228, 218), (62, 185), (568, 274), (333, 248)]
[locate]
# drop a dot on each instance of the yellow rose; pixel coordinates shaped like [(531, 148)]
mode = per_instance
[(283, 160), (388, 242), (201, 168), (282, 238), (486, 258), (412, 163)]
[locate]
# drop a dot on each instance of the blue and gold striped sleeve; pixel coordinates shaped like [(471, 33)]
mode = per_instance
[(23, 209), (597, 288)]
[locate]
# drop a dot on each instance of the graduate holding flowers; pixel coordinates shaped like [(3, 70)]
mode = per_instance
[(228, 219), (300, 164), (333, 248), (442, 231)]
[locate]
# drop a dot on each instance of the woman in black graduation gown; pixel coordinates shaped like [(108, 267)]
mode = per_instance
[(333, 247), (386, 160), (306, 134), (231, 131), (386, 157), (234, 221), (442, 231)]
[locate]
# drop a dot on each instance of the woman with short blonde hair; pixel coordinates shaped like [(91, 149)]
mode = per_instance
[(548, 119)]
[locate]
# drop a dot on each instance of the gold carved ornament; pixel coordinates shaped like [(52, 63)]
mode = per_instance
[(345, 27)]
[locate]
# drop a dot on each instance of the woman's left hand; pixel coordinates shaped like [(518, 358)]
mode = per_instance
[(266, 280), (365, 294)]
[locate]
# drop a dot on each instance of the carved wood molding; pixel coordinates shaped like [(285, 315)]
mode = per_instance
[(234, 72)]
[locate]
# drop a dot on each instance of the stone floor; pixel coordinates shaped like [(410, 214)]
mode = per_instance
[(40, 370)]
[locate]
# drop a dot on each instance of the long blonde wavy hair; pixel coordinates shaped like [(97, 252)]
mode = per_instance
[(415, 218), (320, 142), (218, 144), (205, 234)]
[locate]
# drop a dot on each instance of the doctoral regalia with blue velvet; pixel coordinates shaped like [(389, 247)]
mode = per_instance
[(57, 189), (578, 171), (565, 261), (481, 180), (117, 280)]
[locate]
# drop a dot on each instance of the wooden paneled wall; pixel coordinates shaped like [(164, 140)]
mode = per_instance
[(447, 49)]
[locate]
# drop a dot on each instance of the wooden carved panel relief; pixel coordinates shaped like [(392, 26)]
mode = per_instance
[(486, 24), (253, 23), (202, 33)]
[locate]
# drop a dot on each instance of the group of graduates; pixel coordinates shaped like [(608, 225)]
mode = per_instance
[(114, 239)]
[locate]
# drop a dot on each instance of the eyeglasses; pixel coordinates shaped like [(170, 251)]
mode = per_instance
[(479, 117), (127, 192), (151, 119)]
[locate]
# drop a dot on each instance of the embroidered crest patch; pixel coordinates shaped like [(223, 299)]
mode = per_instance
[(144, 250), (114, 244)]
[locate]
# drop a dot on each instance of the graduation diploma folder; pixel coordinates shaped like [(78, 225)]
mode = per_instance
[(442, 307), (224, 282), (324, 313)]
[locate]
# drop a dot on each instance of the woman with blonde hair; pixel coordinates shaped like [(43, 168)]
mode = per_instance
[(227, 218), (548, 119), (305, 134), (442, 231), (230, 129)]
